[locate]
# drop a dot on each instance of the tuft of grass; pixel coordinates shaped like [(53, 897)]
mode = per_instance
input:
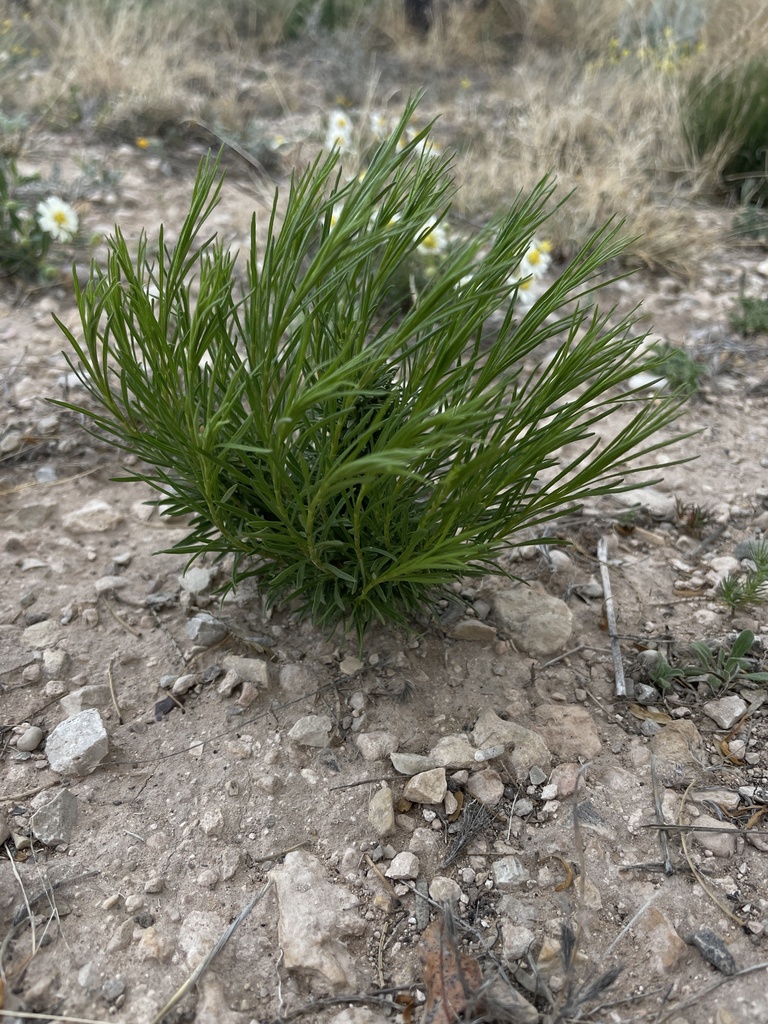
[(682, 373), (751, 316), (725, 123), (347, 456), (751, 588)]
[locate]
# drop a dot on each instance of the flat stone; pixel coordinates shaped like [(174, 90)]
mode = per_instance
[(251, 670), (54, 822), (28, 517), (444, 890), (486, 787), (96, 516), (205, 630), (411, 764), (42, 634), (721, 843), (656, 935), (569, 731), (404, 865), (312, 731), (93, 695), (351, 666), (375, 746), (453, 752), (30, 739), (56, 662), (516, 939), (537, 623), (78, 744), (525, 747), (106, 584), (509, 872), (726, 711), (678, 750), (426, 787), (472, 629), (314, 917), (381, 812)]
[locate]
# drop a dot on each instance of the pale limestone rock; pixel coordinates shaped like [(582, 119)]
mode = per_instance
[(381, 812), (313, 920), (426, 787), (411, 764), (404, 865), (96, 516), (312, 731), (537, 623), (78, 744), (726, 711), (375, 746), (55, 821), (570, 731), (473, 629), (525, 748), (486, 787), (453, 752), (663, 946)]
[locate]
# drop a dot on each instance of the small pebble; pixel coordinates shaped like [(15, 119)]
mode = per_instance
[(30, 739)]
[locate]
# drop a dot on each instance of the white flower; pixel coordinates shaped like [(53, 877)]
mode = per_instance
[(536, 261), (57, 219), (435, 241), (339, 134), (379, 126)]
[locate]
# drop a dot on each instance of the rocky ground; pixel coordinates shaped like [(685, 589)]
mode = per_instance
[(167, 759)]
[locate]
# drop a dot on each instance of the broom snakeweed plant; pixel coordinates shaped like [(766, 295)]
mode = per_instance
[(350, 456)]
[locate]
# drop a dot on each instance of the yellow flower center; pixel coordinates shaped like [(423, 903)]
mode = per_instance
[(534, 257), (60, 217)]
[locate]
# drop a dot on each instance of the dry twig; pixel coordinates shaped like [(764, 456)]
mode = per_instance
[(610, 615)]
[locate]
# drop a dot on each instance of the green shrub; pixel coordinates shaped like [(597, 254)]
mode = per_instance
[(725, 120), (348, 456)]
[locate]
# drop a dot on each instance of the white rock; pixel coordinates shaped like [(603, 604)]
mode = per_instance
[(206, 630), (472, 629), (195, 580), (517, 939), (314, 917), (351, 666), (453, 752), (569, 731), (411, 764), (42, 635), (526, 748), (405, 865), (509, 871), (30, 739), (55, 821), (251, 670), (105, 584), (426, 787), (93, 695), (486, 787), (96, 516), (444, 890), (78, 744), (375, 746), (537, 623), (726, 711), (381, 812), (312, 731)]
